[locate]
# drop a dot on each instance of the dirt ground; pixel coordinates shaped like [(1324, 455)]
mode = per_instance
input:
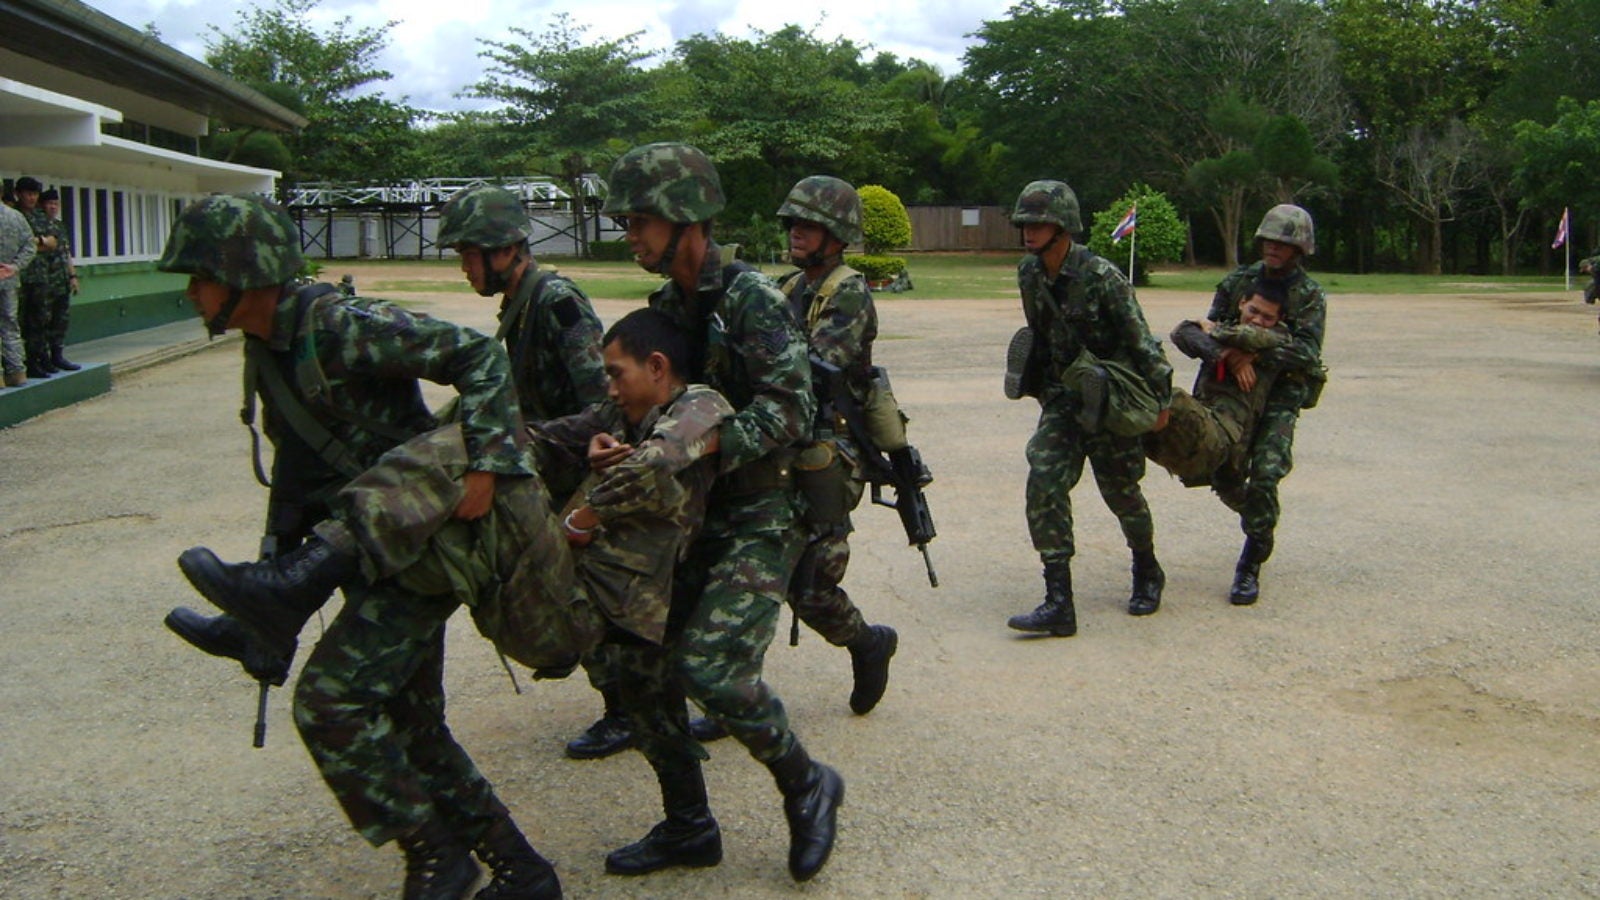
[(1413, 708)]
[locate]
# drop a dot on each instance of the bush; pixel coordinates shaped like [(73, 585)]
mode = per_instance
[(876, 267), (610, 251), (884, 221), (1159, 234)]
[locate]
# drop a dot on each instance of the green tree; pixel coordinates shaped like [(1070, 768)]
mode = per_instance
[(326, 74), (1159, 237), (1559, 167)]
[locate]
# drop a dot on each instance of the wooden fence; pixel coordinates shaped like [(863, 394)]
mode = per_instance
[(962, 228)]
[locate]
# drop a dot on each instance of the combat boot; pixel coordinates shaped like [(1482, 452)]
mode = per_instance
[(610, 734), (17, 378), (1148, 581), (1056, 614), (1247, 574), (520, 873), (224, 636), (688, 836), (58, 358), (437, 868), (37, 368), (274, 597), (869, 665), (812, 794)]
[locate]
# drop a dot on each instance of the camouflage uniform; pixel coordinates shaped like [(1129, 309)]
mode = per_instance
[(370, 700), (651, 506), (43, 281), (1110, 324), (1253, 491), (554, 344), (748, 348), (1212, 427), (17, 250)]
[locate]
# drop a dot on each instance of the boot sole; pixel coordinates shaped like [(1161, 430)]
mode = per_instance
[(200, 640), (1016, 361), (1053, 632)]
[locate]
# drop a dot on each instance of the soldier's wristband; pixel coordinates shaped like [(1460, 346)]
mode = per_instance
[(575, 530)]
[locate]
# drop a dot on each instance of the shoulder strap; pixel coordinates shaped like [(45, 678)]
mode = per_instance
[(270, 382), (518, 306)]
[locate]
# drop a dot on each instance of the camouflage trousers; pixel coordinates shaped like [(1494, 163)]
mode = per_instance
[(814, 592), (11, 353), (1056, 453), (1253, 494), (45, 313), (1197, 441), (370, 708), (728, 593), (650, 694)]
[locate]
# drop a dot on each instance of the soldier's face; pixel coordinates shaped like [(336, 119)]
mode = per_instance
[(477, 263), (27, 199), (1259, 311), (805, 238), (1278, 256), (1035, 235), (52, 208), (648, 238), (207, 296), (636, 385)]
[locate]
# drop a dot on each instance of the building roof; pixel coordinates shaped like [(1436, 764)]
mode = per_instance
[(78, 38)]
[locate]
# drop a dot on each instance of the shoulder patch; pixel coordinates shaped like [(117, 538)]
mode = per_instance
[(566, 310)]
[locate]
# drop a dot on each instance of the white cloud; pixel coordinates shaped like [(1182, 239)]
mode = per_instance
[(433, 51)]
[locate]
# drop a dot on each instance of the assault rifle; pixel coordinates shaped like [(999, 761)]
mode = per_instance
[(901, 468)]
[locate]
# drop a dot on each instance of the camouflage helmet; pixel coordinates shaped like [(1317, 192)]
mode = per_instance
[(829, 202), (1289, 224), (483, 216), (241, 241), (674, 181), (1048, 201)]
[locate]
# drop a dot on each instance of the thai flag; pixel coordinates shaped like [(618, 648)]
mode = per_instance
[(1126, 226), (1561, 231)]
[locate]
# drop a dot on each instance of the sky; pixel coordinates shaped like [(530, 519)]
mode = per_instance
[(433, 50)]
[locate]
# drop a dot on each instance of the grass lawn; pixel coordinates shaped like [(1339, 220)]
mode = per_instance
[(935, 276)]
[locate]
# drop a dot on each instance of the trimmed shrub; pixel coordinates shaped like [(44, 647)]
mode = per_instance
[(884, 221), (877, 267)]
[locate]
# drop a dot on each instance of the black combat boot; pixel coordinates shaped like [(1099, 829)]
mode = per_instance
[(1055, 615), (1148, 580), (869, 664), (688, 836), (812, 794), (58, 359), (1246, 575), (610, 734), (437, 867), (520, 873), (225, 637), (274, 597), (38, 366), (706, 729)]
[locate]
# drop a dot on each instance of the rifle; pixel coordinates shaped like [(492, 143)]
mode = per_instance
[(901, 469)]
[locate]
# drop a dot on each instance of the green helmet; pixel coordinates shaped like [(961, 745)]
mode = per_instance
[(1048, 201), (483, 216), (241, 241), (674, 181), (829, 202), (1289, 224)]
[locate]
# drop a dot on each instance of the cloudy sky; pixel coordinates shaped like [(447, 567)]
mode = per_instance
[(433, 51)]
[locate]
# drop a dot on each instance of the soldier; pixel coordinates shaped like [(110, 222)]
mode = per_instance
[(1076, 301), (341, 376), (830, 301), (1591, 266), (553, 336), (17, 249), (39, 279), (1284, 238), (730, 587), (63, 282)]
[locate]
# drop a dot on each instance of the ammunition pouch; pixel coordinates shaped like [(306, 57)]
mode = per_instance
[(823, 476), (1314, 381), (885, 423)]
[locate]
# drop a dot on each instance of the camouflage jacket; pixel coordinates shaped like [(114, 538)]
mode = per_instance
[(651, 504), (16, 239), (1305, 315), (554, 343), (1223, 395), (49, 267), (355, 365), (838, 316), (746, 346), (1089, 305)]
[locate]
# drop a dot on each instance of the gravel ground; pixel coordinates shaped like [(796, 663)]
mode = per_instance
[(1413, 709)]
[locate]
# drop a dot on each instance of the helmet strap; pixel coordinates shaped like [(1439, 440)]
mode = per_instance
[(1048, 245), (664, 264), (496, 281), (217, 325)]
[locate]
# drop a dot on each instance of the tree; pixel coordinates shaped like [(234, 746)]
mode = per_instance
[(1559, 167), (1160, 234), (351, 135)]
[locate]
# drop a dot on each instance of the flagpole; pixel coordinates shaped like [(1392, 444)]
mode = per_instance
[(1133, 241)]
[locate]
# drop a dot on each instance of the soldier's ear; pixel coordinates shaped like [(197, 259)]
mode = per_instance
[(658, 365)]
